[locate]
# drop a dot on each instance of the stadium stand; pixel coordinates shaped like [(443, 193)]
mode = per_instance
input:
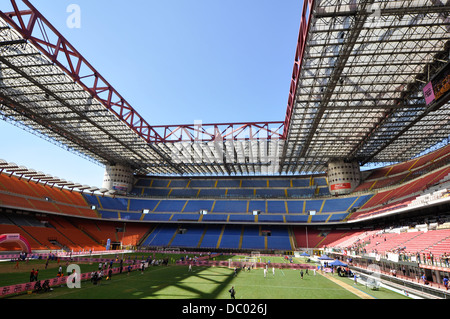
[(20, 193), (401, 195), (268, 187), (399, 212)]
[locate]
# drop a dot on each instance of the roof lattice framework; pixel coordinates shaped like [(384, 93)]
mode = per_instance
[(356, 94)]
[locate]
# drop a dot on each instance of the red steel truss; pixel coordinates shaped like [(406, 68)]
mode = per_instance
[(35, 28), (301, 43), (199, 132)]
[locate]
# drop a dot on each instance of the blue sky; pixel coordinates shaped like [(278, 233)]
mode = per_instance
[(175, 62)]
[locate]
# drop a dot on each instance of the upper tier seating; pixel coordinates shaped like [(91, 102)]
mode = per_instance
[(166, 209), (411, 242), (407, 171), (21, 193), (268, 187), (401, 195)]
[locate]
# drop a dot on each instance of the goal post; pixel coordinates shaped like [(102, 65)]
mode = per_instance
[(244, 261), (256, 255)]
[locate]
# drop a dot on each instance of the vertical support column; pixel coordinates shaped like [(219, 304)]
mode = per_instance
[(343, 177), (119, 178)]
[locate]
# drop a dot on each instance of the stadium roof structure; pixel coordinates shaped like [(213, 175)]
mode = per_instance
[(46, 179), (356, 95)]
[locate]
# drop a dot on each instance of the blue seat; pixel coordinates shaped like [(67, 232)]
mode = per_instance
[(251, 230), (183, 192), (157, 217), (279, 242), (313, 205), (254, 183), (240, 192), (170, 205), (91, 199), (109, 214), (362, 200), (130, 216), (230, 206), (157, 192), (211, 237), (197, 205), (337, 217), (190, 238), (270, 218), (215, 217), (241, 218), (212, 192), (226, 183), (300, 182), (300, 192), (185, 216), (324, 191), (257, 205), (161, 235), (202, 183), (253, 242), (277, 207), (337, 204), (319, 218), (210, 241), (230, 242), (178, 183), (140, 204), (295, 206), (320, 181), (296, 218), (231, 236), (279, 183), (270, 192), (160, 182), (113, 203), (144, 182)]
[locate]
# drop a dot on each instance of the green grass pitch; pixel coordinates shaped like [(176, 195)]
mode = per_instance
[(177, 282)]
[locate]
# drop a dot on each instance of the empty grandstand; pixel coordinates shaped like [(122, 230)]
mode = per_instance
[(359, 168)]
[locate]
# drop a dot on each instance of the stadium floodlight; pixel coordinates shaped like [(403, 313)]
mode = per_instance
[(38, 176), (17, 169), (93, 189), (30, 172), (111, 192), (49, 179), (62, 183), (11, 165), (76, 185), (103, 190), (3, 163), (82, 188)]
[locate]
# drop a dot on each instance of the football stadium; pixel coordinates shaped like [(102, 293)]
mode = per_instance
[(346, 197)]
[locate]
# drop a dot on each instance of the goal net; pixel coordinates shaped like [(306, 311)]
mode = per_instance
[(257, 255), (248, 261), (241, 262)]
